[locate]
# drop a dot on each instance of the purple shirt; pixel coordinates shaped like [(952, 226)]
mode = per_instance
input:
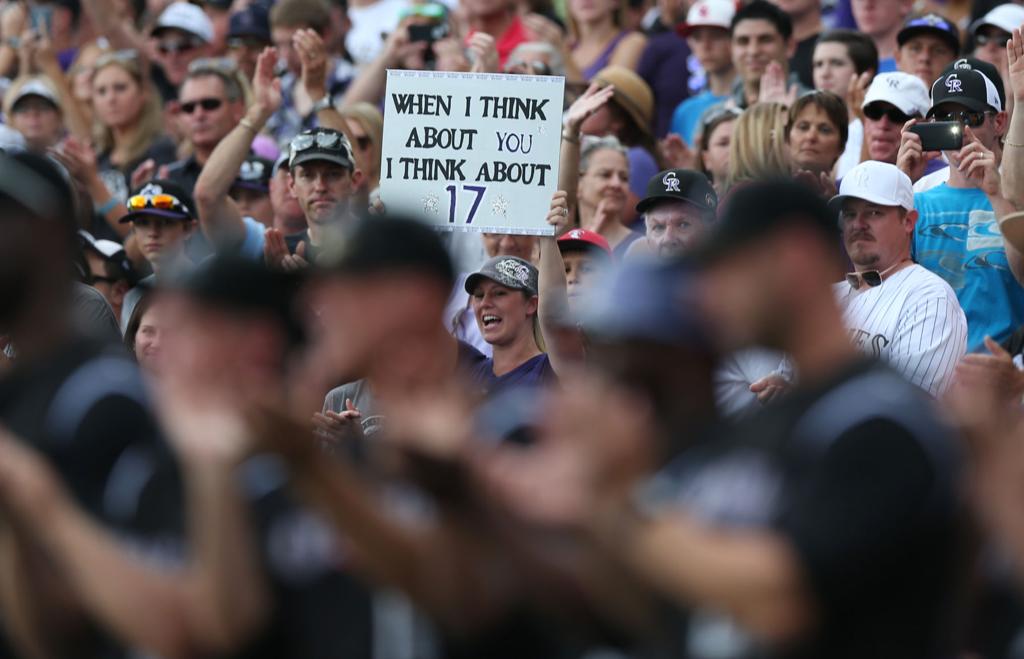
[(664, 66), (534, 372)]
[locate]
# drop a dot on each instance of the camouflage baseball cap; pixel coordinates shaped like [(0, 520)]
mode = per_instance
[(509, 271)]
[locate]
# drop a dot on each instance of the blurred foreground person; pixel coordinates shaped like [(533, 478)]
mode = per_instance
[(80, 405), (826, 525), (241, 589)]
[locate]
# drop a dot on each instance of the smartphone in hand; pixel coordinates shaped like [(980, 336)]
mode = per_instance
[(940, 135)]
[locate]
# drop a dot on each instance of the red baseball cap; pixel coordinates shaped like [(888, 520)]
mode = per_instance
[(583, 239)]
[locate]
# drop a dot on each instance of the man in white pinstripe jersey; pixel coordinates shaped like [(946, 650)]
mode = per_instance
[(895, 309)]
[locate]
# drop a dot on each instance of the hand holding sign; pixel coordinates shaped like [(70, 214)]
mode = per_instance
[(482, 155)]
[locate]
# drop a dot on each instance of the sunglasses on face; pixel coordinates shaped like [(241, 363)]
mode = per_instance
[(533, 67), (999, 39), (208, 104), (175, 47), (876, 112), (247, 42), (970, 119)]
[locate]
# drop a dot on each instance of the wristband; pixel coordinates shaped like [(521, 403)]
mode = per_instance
[(248, 125), (107, 207), (321, 105), (571, 139)]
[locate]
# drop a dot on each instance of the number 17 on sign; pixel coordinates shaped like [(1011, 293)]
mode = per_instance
[(479, 190)]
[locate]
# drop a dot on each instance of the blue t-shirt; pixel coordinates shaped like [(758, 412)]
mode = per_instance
[(255, 238), (534, 372), (887, 65), (958, 238), (686, 118)]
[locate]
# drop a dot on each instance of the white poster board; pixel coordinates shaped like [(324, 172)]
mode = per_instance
[(472, 151)]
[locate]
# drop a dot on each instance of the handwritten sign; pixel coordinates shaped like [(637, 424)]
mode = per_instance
[(472, 151)]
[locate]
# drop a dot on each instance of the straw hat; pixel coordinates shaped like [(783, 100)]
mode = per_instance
[(631, 93)]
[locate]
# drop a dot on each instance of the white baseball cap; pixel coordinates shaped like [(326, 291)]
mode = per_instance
[(1006, 17), (878, 182), (106, 248), (708, 13), (35, 86), (187, 17), (903, 90)]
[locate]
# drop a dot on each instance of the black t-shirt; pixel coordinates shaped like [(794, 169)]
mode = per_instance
[(802, 61), (859, 477), (84, 408)]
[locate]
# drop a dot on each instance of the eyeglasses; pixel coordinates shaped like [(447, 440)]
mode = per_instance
[(171, 47), (251, 170), (208, 104), (999, 39), (876, 111), (162, 201), (222, 65), (971, 119), (124, 56)]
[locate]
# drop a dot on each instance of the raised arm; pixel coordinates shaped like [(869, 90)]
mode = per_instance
[(1013, 155), (111, 20), (372, 80), (219, 217), (569, 156), (564, 348)]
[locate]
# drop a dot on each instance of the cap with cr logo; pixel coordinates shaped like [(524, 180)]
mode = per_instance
[(679, 185)]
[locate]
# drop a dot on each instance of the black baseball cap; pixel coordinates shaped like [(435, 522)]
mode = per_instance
[(757, 209), (509, 271), (967, 87), (252, 22), (254, 174), (934, 25), (162, 198), (679, 185), (375, 245), (324, 144), (246, 286), (991, 72)]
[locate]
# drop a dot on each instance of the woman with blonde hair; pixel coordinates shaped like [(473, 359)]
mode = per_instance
[(364, 125), (128, 129), (758, 148)]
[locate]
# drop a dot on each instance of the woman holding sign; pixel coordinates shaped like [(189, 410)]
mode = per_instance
[(504, 298)]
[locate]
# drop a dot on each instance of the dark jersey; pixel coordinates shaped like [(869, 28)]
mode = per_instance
[(860, 478)]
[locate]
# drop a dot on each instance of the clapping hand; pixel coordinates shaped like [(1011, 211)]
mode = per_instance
[(313, 56), (1015, 69), (266, 87), (774, 88)]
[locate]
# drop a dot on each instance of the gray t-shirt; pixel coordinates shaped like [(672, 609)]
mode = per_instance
[(92, 314), (132, 297), (359, 393)]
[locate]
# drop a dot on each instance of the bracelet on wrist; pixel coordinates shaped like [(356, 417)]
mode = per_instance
[(570, 138), (247, 124), (108, 206)]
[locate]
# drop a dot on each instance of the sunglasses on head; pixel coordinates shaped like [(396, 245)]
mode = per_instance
[(222, 65), (251, 170), (123, 56), (875, 112), (174, 47), (208, 104), (164, 202), (970, 119), (320, 139)]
